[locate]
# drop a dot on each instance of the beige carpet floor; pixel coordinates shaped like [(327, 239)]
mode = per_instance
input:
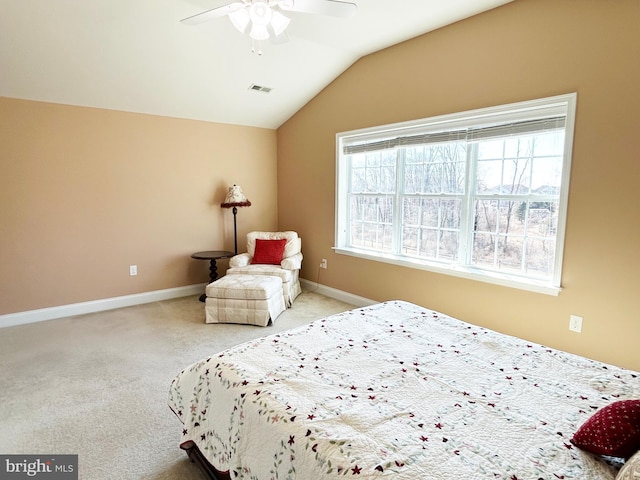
[(96, 385)]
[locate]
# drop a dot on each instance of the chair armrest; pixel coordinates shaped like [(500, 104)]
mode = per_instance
[(241, 260), (294, 262)]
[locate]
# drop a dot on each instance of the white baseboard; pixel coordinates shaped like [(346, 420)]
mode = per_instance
[(51, 313), (337, 294)]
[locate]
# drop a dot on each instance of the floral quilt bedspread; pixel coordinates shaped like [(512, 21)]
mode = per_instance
[(397, 391)]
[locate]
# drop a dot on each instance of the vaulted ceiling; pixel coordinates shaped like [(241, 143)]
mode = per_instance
[(136, 56)]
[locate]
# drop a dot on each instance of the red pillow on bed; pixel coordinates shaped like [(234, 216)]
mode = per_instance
[(269, 251), (613, 430)]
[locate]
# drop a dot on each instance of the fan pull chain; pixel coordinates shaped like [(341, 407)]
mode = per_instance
[(253, 47)]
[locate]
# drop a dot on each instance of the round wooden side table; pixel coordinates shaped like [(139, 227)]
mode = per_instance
[(213, 256)]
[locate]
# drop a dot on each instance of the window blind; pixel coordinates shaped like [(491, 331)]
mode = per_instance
[(469, 134)]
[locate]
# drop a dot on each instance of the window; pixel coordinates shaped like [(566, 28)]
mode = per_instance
[(479, 194)]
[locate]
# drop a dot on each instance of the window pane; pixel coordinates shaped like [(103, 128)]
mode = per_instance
[(450, 212), (541, 218), (540, 256), (435, 168), (434, 213), (490, 149), (429, 213), (410, 241), (549, 144), (517, 176), (373, 172), (506, 214), (510, 253), (518, 147), (497, 240), (448, 248), (486, 216), (489, 177), (428, 244), (371, 222), (505, 166), (525, 236), (484, 249), (546, 175), (431, 227), (498, 252), (541, 222)]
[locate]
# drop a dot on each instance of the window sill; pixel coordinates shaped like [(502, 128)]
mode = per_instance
[(457, 271)]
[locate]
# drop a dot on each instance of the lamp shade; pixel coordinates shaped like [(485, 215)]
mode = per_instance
[(279, 22), (235, 198), (259, 32), (240, 19)]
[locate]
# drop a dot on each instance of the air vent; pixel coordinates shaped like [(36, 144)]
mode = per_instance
[(259, 88)]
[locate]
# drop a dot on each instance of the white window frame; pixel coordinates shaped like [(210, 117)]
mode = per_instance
[(474, 118)]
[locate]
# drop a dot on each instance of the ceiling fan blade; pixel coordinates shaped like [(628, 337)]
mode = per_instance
[(333, 8), (213, 13)]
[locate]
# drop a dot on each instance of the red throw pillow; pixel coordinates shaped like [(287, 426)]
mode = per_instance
[(269, 251), (613, 430)]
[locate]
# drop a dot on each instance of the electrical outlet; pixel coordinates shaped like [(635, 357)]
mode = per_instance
[(133, 270), (575, 323), (323, 263)]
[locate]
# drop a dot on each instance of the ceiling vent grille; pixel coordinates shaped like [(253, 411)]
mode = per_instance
[(259, 88)]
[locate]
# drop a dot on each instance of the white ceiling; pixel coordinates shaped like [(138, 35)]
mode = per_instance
[(136, 56)]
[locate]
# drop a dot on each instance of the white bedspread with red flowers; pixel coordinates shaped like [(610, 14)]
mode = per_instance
[(397, 391)]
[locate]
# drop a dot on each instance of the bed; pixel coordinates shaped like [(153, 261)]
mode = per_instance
[(395, 390)]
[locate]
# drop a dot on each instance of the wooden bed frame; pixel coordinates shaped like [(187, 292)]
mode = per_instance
[(196, 457)]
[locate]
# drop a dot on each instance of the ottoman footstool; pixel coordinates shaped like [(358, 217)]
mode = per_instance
[(250, 299)]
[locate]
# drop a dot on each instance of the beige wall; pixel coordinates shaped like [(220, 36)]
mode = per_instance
[(86, 192), (527, 49)]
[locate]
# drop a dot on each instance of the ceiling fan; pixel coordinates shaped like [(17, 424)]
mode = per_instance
[(262, 19)]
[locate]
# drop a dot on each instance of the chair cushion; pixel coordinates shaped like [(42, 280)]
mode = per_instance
[(269, 270), (245, 287), (293, 245)]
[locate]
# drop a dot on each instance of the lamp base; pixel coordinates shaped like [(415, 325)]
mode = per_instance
[(235, 230)]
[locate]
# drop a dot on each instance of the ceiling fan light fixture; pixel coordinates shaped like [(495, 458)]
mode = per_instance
[(240, 19), (259, 32), (260, 13), (279, 22), (261, 19)]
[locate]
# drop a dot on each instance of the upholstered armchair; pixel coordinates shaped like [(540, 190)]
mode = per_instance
[(272, 253)]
